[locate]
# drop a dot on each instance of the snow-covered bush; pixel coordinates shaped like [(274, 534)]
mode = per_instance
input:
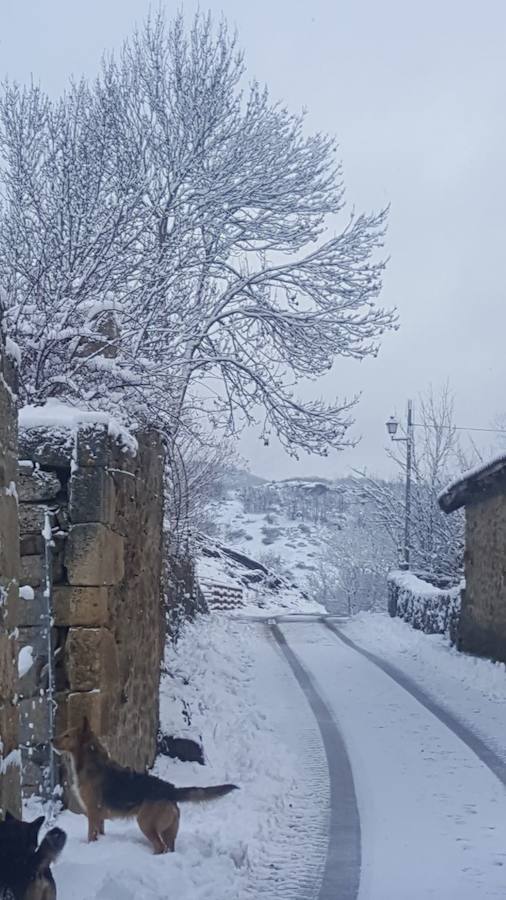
[(428, 608)]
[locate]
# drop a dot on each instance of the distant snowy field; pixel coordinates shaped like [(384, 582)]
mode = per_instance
[(267, 839)]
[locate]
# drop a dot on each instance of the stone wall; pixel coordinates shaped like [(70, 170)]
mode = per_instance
[(427, 607), (9, 572), (483, 617), (104, 500)]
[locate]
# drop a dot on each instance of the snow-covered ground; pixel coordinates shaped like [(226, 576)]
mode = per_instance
[(266, 840), (288, 548), (471, 688), (269, 537), (432, 815)]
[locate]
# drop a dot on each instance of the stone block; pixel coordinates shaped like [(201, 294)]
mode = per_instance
[(8, 418), (8, 464), (29, 685), (9, 610), (48, 446), (91, 660), (85, 606), (31, 545), (32, 518), (35, 637), (8, 670), (37, 486), (94, 555), (9, 542), (92, 444), (92, 496), (10, 779), (92, 704), (33, 721), (31, 610), (32, 570)]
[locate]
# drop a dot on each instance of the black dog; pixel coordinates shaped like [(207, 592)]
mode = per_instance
[(25, 872)]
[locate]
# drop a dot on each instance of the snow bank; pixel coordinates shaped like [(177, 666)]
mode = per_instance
[(427, 608), (267, 839), (55, 414)]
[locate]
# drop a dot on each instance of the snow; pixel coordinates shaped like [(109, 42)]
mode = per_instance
[(12, 350), (25, 660), (11, 490), (47, 533), (56, 414), (409, 582), (26, 592), (432, 815), (286, 548), (471, 688), (267, 840), (12, 759), (495, 462)]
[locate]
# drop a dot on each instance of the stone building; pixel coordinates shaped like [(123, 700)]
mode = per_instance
[(91, 513), (9, 573), (482, 626)]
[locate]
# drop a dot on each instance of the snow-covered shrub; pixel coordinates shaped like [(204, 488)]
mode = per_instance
[(427, 608)]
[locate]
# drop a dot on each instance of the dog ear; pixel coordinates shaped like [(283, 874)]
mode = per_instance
[(9, 817), (36, 824)]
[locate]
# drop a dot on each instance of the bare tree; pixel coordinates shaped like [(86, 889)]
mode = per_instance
[(162, 244), (436, 539), (197, 476)]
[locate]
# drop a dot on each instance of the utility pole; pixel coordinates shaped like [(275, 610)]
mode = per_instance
[(392, 426)]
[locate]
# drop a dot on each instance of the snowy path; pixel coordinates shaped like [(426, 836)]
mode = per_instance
[(433, 817), (341, 876), (471, 689), (495, 762), (268, 841)]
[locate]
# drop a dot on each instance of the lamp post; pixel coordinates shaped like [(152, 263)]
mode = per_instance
[(392, 425)]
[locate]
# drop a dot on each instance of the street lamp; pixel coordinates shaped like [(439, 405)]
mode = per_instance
[(392, 425)]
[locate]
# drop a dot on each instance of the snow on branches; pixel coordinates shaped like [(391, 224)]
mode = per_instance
[(164, 244)]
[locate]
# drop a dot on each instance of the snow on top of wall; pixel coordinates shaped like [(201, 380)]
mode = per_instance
[(55, 414), (410, 582)]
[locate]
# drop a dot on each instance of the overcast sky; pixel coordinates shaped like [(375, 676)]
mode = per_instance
[(416, 96)]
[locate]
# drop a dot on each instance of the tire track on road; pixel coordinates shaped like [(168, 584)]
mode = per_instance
[(341, 876), (485, 754)]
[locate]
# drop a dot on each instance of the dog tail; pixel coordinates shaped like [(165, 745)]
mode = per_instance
[(50, 848), (201, 794)]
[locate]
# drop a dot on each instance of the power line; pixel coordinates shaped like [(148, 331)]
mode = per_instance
[(460, 428)]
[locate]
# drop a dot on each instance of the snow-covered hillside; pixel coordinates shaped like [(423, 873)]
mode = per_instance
[(298, 541), (282, 527)]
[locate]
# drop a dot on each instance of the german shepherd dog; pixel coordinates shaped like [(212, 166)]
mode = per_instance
[(25, 872), (107, 790)]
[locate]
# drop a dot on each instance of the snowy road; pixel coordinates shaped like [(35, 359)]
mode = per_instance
[(351, 787), (432, 814)]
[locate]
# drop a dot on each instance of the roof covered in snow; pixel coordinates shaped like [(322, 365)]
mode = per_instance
[(485, 480)]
